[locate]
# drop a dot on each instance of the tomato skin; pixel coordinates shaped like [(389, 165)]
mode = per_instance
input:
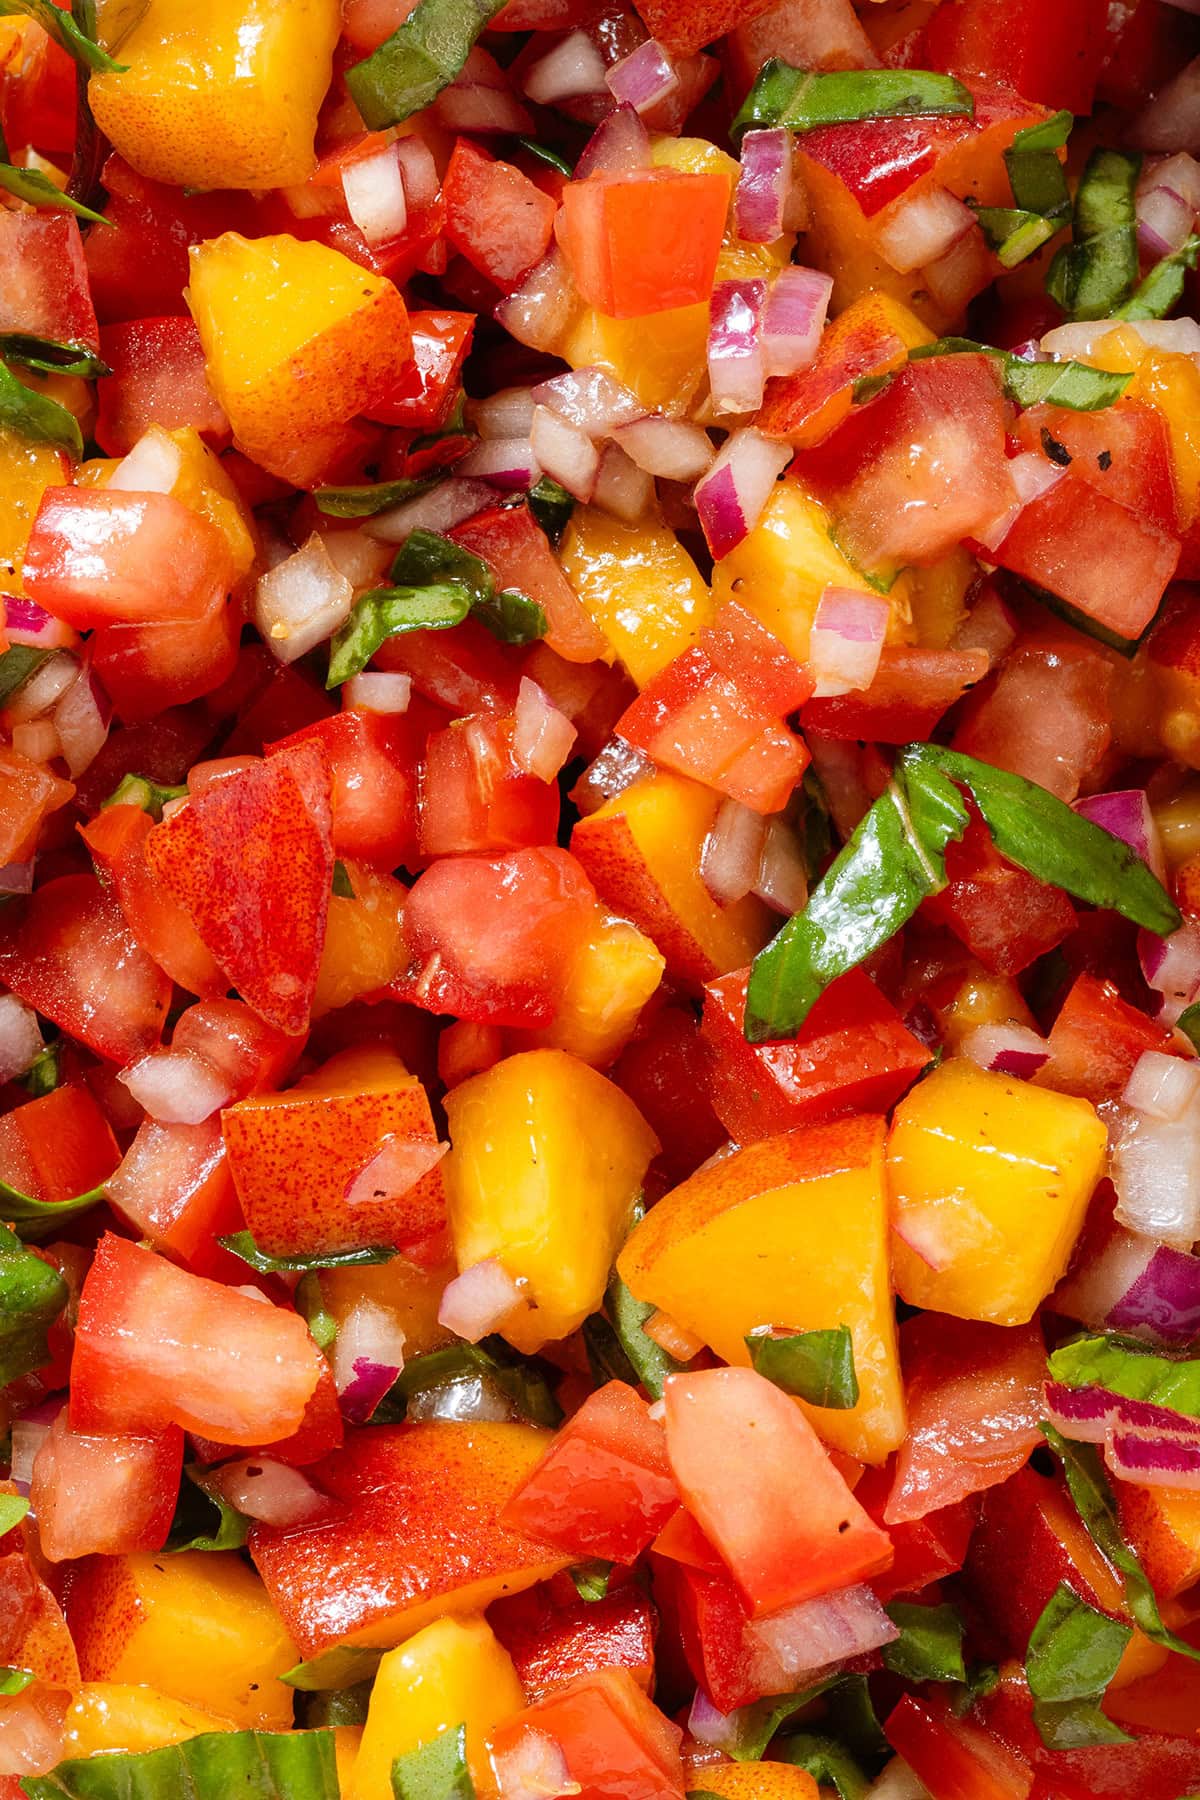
[(1096, 1040), (604, 1489), (1156, 1765), (495, 216), (1123, 452), (58, 1146), (99, 557), (474, 798), (155, 1346), (373, 767), (910, 693), (117, 838), (616, 1743), (157, 378), (106, 1494), (321, 1430), (69, 952), (955, 1758), (1005, 916), (1047, 715), (424, 397), (704, 1609), (1055, 60), (645, 240), (553, 1635), (43, 279)]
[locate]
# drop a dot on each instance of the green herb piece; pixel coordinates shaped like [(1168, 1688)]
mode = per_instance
[(492, 1365), (51, 357), (428, 559), (929, 1647), (37, 1219), (268, 1765), (591, 1579), (382, 613), (606, 1359), (310, 1304), (38, 190), (1162, 287), (334, 1670), (44, 1072), (1094, 274), (513, 617), (829, 1763), (1076, 386), (854, 1722), (32, 1295), (817, 1366), (755, 1725), (1072, 1656), (552, 507), (204, 1519), (1013, 235), (364, 501), (17, 664), (65, 32), (981, 1680), (804, 101), (437, 1771), (423, 56), (342, 885), (544, 154), (1126, 1367), (1041, 200), (15, 1681), (138, 790), (1089, 1489), (1189, 1023), (13, 1508), (649, 1360), (337, 1706), (35, 416), (242, 1244)]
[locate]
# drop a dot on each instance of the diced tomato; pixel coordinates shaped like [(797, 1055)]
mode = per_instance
[(974, 1397), (174, 1188), (38, 99), (1145, 45), (104, 1494), (424, 397), (1123, 451), (592, 695), (147, 667), (157, 378), (1005, 916), (615, 1742), (1096, 1040), (553, 1635), (911, 691), (474, 798), (705, 1609), (604, 1489), (495, 216), (320, 1431), (492, 938), (665, 1073), (373, 766), (1048, 715), (43, 279), (68, 951), (117, 838), (927, 1549), (28, 793), (684, 28), (464, 670), (643, 240), (99, 557), (1156, 1764), (251, 1054), (155, 1346), (852, 1054), (955, 1758), (1054, 59), (863, 341), (518, 553), (284, 700), (58, 1146)]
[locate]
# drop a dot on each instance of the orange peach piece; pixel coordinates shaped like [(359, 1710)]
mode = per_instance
[(26, 471), (420, 1536), (111, 1715), (364, 939), (295, 1157), (1163, 1525), (642, 850), (756, 1781), (610, 978)]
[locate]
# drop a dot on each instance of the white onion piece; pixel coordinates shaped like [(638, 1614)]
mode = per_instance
[(572, 68), (1171, 121), (616, 768), (708, 1726), (539, 311), (731, 497), (37, 739), (28, 1436), (590, 398), (418, 169), (846, 640), (1162, 1087), (379, 692), (732, 852), (42, 691), (446, 505), (396, 1166), (20, 1037), (782, 880), (543, 737), (176, 1087), (1171, 966), (1066, 342), (468, 105), (959, 273), (643, 78), (151, 467), (1092, 1290), (375, 198), (1179, 174), (920, 230), (1032, 475), (1155, 1168), (619, 143), (929, 1233), (793, 319), (764, 185), (507, 463), (361, 559), (1164, 221), (565, 452), (508, 413), (479, 1300), (534, 1768), (622, 488), (269, 1491), (1015, 1050), (81, 719), (897, 1782), (816, 1633), (735, 360), (670, 448), (302, 602), (368, 1333)]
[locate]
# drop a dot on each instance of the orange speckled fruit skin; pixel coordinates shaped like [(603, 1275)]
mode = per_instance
[(755, 1781), (419, 1538)]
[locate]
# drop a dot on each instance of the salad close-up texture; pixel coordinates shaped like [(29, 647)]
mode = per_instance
[(599, 899)]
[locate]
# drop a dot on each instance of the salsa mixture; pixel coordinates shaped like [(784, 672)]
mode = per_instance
[(599, 899)]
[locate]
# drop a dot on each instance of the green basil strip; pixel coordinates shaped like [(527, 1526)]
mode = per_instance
[(44, 1072), (421, 57), (37, 1219), (1088, 1486), (1041, 199), (382, 613), (35, 416), (32, 1295), (1126, 1367), (804, 101), (929, 1647), (544, 154), (606, 1358), (493, 1366), (13, 1508), (1072, 1656), (268, 1765), (552, 507), (513, 617), (1094, 274), (364, 501), (17, 664), (1162, 287), (310, 1304), (243, 1246), (428, 559), (817, 1366), (343, 887), (829, 1763), (649, 1360), (1189, 1023), (1073, 385), (139, 790), (342, 1667), (65, 32), (337, 1706), (204, 1519), (15, 1681), (591, 1580), (437, 1771), (756, 1724), (51, 357), (38, 190), (1013, 234)]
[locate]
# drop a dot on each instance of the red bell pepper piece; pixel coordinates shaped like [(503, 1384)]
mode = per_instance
[(424, 397)]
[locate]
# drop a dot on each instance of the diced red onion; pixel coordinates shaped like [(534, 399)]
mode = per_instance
[(1154, 1461), (731, 497), (1079, 340), (793, 319), (151, 467), (508, 413), (507, 463), (543, 737), (1179, 174), (479, 1300), (1164, 222), (1162, 1087), (534, 1768), (572, 68), (1102, 1279), (1078, 1413), (1171, 966), (1006, 1049), (618, 144), (368, 1334), (643, 78), (616, 768), (764, 185), (371, 1381), (378, 692), (539, 311), (81, 719), (735, 360), (361, 559), (782, 880), (846, 640), (1163, 1299), (1171, 121), (37, 739), (927, 1231), (565, 452), (301, 602), (271, 1492), (446, 505), (375, 197), (708, 1726), (29, 1433), (829, 1629), (897, 1782), (20, 1035), (177, 1087), (395, 1168), (480, 98), (590, 398), (45, 687), (622, 488), (732, 853), (1155, 1168), (1125, 812), (919, 230), (418, 169), (954, 278), (25, 622), (670, 448)]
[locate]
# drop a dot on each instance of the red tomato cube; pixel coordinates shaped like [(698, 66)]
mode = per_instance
[(645, 240)]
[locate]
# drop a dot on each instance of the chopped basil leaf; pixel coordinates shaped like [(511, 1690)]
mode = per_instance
[(1093, 1497), (929, 1647), (346, 1665), (1126, 1367), (427, 558), (512, 617), (204, 1519), (51, 357), (36, 416), (804, 101), (829, 1764), (410, 69), (337, 1706), (854, 1721), (701, 1794), (437, 1771), (981, 1680), (15, 1681), (650, 1362), (343, 887), (606, 1359), (310, 1304), (1162, 287), (65, 32), (1081, 621), (382, 613), (270, 1765), (1048, 134), (139, 790), (365, 501), (1041, 200), (36, 1219), (591, 1579), (817, 1366), (1076, 386), (38, 190), (13, 1508), (1091, 277), (1189, 1023), (32, 1295), (495, 1368), (17, 664), (544, 154), (44, 1072), (755, 1725), (1013, 234), (1072, 1656), (551, 506), (242, 1244)]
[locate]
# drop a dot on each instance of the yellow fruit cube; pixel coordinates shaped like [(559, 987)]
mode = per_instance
[(110, 1715), (452, 1673), (546, 1160), (26, 471), (990, 1179), (202, 484), (611, 977), (638, 585), (790, 1232), (220, 93)]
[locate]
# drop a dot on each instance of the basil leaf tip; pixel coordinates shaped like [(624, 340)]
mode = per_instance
[(803, 100), (817, 1366), (242, 1245), (423, 55)]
